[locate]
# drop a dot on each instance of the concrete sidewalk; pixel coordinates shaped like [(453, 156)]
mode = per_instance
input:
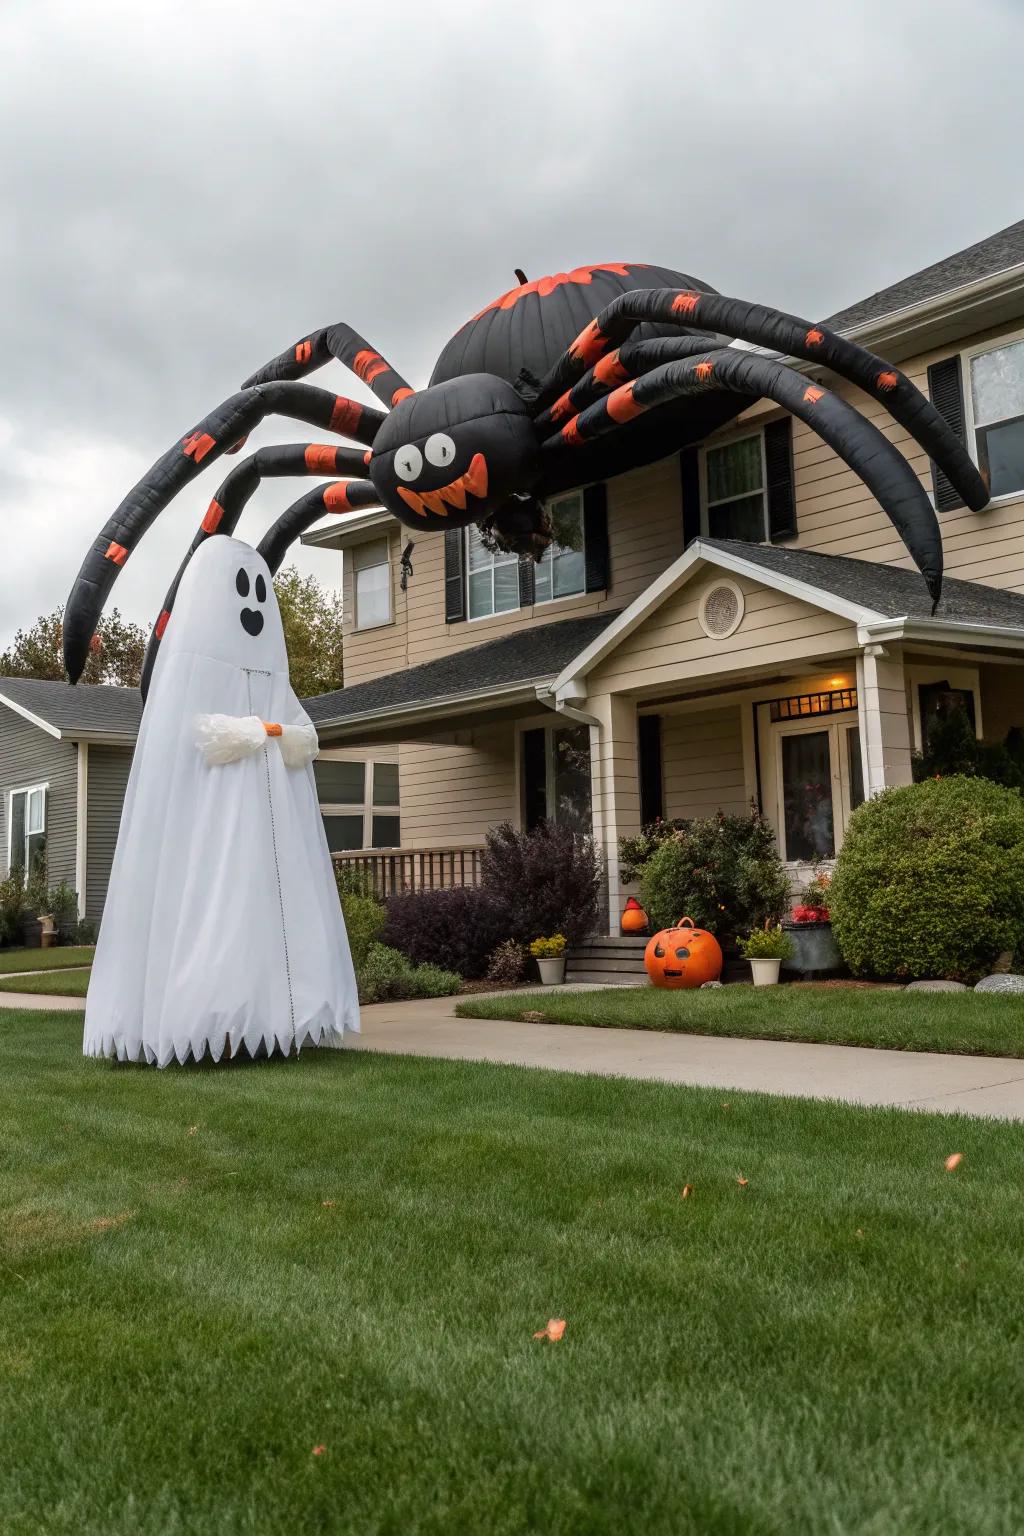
[(971, 1085)]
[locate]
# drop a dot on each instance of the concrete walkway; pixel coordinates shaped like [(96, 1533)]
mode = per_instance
[(991, 1086), (972, 1085)]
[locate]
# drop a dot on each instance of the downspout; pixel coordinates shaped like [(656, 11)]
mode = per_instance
[(82, 826)]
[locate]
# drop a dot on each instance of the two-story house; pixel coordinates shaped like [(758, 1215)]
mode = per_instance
[(736, 623)]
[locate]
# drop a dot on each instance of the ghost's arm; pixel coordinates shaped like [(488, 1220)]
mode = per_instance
[(299, 744), (228, 738)]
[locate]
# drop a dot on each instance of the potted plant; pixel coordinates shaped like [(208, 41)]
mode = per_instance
[(809, 925), (766, 948), (550, 957)]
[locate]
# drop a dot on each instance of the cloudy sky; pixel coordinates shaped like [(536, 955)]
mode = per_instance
[(186, 188)]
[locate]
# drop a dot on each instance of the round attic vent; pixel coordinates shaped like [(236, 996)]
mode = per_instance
[(721, 610)]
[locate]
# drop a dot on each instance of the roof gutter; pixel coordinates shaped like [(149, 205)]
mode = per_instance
[(428, 709), (1001, 636)]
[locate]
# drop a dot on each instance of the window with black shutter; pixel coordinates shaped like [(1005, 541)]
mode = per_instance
[(748, 486), (535, 778), (945, 387), (778, 473), (595, 538), (651, 791), (454, 576)]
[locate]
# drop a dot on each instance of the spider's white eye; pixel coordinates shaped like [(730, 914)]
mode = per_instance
[(408, 462), (439, 449)]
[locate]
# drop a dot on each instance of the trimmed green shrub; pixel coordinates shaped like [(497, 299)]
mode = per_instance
[(364, 918), (953, 748), (12, 905), (724, 872), (929, 882), (388, 977)]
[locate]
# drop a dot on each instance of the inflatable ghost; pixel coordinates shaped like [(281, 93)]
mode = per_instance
[(222, 927)]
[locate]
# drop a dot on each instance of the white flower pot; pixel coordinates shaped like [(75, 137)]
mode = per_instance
[(552, 972), (765, 972)]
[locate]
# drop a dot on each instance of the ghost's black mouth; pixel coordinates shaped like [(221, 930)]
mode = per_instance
[(252, 620)]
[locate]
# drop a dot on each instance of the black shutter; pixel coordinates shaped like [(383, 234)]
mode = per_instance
[(527, 581), (945, 386), (778, 464), (535, 778), (454, 576), (689, 472), (595, 537), (649, 741)]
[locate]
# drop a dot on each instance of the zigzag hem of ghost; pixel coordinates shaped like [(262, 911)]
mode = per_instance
[(226, 1046)]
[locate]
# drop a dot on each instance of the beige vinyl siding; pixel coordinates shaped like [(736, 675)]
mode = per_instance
[(108, 779), (670, 647), (452, 794), (702, 763), (645, 534), (28, 756)]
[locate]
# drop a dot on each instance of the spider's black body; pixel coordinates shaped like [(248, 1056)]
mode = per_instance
[(559, 383)]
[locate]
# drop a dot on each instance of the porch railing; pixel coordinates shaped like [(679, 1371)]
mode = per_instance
[(413, 869)]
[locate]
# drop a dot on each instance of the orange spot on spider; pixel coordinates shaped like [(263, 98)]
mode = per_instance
[(401, 394), (888, 380), (685, 303), (622, 404), (368, 455), (321, 459), (609, 370), (814, 337), (345, 417), (704, 370), (571, 433), (161, 624), (117, 553), (336, 497), (545, 285), (369, 365), (304, 351), (214, 513), (812, 394), (589, 344), (562, 406), (197, 445)]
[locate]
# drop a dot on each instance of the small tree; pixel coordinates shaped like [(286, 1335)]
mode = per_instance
[(115, 655), (312, 632)]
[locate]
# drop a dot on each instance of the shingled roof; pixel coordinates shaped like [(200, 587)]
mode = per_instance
[(91, 711), (983, 259), (526, 657), (885, 590)]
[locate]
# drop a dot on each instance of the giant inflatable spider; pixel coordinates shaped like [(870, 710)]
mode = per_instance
[(561, 382)]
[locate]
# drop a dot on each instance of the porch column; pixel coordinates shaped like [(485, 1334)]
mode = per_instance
[(884, 723), (615, 787)]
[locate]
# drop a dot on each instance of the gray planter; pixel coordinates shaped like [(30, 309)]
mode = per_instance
[(815, 951)]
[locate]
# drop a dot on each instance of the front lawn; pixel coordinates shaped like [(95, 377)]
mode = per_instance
[(50, 983), (301, 1296), (46, 959), (963, 1023)]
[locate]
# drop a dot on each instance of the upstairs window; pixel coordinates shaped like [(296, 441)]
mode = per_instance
[(997, 404), (736, 503), (563, 570), (493, 578), (371, 584)]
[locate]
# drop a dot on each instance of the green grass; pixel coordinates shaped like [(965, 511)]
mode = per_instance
[(45, 959), (962, 1023), (50, 983), (208, 1272)]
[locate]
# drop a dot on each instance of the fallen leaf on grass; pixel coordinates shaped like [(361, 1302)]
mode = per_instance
[(743, 1183), (953, 1161), (859, 1232), (686, 1192), (326, 1202), (318, 1450), (553, 1331), (531, 1016), (192, 1130)]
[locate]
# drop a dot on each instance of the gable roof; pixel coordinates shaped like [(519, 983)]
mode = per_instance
[(88, 712), (498, 669), (884, 601), (996, 253)]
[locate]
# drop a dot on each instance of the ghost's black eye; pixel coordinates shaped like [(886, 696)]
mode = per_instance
[(261, 589), (242, 583)]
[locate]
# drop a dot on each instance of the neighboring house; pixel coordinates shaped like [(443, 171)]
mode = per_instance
[(737, 623), (64, 759)]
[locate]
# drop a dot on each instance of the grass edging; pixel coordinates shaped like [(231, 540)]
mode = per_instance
[(46, 959)]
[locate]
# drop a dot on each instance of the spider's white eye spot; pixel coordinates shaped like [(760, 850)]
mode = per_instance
[(408, 462), (439, 449)]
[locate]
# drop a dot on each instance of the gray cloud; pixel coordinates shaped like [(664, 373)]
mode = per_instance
[(187, 187)]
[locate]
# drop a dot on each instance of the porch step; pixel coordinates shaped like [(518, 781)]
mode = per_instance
[(582, 977), (619, 961)]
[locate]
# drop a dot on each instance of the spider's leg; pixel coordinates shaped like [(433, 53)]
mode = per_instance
[(338, 496), (342, 342), (868, 452), (230, 501), (619, 366), (177, 468), (782, 333)]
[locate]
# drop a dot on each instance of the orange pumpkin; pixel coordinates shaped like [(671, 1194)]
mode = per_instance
[(634, 918), (683, 956)]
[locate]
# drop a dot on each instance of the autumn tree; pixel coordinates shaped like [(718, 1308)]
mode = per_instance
[(312, 631), (115, 655)]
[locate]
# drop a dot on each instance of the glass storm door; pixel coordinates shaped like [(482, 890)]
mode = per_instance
[(820, 783)]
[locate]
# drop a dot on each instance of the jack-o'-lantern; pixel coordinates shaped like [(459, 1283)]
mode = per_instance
[(683, 956), (634, 918)]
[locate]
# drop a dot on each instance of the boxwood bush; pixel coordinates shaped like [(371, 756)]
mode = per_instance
[(724, 872), (929, 882)]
